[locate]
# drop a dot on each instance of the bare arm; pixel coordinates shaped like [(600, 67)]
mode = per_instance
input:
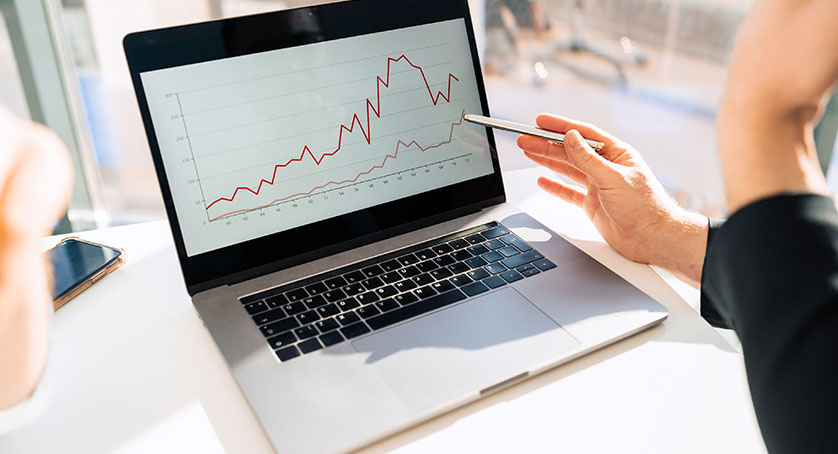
[(781, 73), (34, 187)]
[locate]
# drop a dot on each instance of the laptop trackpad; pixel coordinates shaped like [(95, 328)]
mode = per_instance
[(459, 351)]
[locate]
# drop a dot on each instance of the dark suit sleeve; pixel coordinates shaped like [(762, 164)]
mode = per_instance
[(772, 272)]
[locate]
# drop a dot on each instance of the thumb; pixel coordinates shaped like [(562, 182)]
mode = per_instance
[(584, 158)]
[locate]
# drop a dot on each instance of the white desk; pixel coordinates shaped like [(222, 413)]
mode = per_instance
[(134, 370)]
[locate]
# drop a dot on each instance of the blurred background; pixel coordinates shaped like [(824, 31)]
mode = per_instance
[(652, 72)]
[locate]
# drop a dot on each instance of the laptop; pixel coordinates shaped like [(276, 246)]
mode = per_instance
[(343, 233)]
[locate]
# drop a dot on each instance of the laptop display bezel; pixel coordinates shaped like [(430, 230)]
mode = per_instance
[(208, 41)]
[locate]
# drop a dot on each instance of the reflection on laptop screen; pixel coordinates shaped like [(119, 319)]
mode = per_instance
[(285, 138)]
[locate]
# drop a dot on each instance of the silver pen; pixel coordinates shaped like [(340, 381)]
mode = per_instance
[(519, 128)]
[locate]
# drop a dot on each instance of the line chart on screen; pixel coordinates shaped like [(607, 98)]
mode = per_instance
[(267, 142)]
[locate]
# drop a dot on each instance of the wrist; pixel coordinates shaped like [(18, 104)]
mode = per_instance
[(683, 244)]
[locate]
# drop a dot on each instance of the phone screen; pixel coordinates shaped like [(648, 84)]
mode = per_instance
[(74, 262)]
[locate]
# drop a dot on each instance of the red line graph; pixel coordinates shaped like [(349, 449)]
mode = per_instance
[(399, 146), (375, 109)]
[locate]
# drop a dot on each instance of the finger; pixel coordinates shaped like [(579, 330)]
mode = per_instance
[(612, 149), (560, 167), (561, 191), (542, 147), (584, 158)]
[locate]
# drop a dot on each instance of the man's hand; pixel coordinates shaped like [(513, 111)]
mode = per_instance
[(622, 197), (35, 176)]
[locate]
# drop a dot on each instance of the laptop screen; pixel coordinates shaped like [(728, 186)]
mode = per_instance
[(284, 137), (263, 143)]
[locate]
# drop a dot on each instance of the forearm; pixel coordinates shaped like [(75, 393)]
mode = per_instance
[(682, 245), (24, 323)]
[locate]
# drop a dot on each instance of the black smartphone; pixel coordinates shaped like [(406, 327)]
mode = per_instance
[(77, 264)]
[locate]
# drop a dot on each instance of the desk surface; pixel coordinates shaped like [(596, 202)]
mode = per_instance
[(133, 370)]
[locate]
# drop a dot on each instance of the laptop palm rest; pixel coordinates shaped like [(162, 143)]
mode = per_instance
[(466, 348)]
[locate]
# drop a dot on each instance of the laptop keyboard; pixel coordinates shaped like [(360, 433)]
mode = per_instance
[(342, 304)]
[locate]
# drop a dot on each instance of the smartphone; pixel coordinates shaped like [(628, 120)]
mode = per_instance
[(77, 264), (519, 128)]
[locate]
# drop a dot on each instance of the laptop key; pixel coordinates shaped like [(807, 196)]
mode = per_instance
[(493, 256), (406, 298), (314, 301), (324, 326), (294, 308), (310, 346), (372, 283), (460, 255), (409, 271), (283, 340), (461, 280), (522, 259), (353, 289), (494, 282), (347, 318), (276, 301), (495, 268), (391, 265), (386, 291), (443, 286), (544, 264), (316, 289), (348, 304), (509, 251), (444, 260), (475, 239), (255, 308), (331, 338), (268, 317), (478, 274), (328, 310), (307, 317), (475, 288), (281, 326), (495, 232), (494, 244), (405, 285), (530, 272), (459, 244), (353, 277), (441, 249), (526, 267), (441, 273), (412, 310), (478, 250), (387, 305), (367, 311), (372, 271), (511, 276), (391, 277), (458, 268), (355, 330), (335, 283), (476, 262), (426, 254), (304, 332), (424, 292), (367, 298), (426, 266), (423, 279), (334, 295), (408, 260), (296, 295), (287, 353)]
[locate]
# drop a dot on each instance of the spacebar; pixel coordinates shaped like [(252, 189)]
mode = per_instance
[(424, 306)]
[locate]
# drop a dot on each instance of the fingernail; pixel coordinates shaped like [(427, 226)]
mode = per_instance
[(573, 140)]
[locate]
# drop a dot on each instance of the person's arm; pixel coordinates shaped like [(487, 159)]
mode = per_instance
[(34, 188)]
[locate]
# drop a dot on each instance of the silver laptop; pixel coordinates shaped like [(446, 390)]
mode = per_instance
[(344, 234)]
